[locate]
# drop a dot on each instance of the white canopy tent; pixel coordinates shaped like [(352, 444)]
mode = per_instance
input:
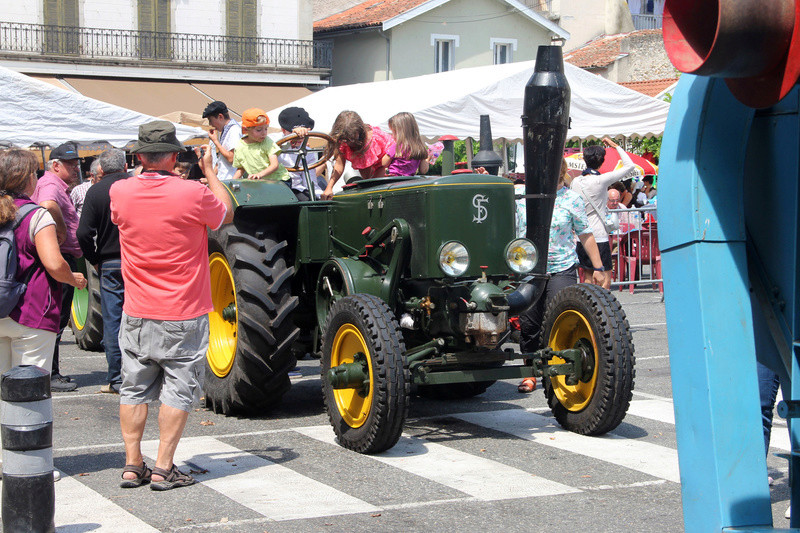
[(450, 103), (36, 112)]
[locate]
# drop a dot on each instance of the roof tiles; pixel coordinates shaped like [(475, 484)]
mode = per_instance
[(650, 87), (365, 15), (602, 51)]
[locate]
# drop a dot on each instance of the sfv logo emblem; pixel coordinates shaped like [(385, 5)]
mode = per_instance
[(477, 202)]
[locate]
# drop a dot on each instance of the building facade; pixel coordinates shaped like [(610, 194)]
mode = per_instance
[(211, 40), (373, 41)]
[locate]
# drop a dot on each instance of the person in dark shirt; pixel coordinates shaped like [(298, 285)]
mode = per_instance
[(98, 238)]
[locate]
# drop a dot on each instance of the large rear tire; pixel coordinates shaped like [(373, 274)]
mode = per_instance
[(251, 328), (86, 314), (368, 418), (590, 318)]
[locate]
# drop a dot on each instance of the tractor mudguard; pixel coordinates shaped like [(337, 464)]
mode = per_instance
[(252, 193)]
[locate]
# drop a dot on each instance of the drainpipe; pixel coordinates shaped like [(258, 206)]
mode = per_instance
[(388, 52)]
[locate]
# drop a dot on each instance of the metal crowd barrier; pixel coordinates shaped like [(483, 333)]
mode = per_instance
[(635, 251)]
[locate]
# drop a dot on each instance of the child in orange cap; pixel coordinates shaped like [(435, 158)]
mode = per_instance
[(256, 153)]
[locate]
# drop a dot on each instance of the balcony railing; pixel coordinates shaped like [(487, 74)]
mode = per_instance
[(97, 43), (647, 22)]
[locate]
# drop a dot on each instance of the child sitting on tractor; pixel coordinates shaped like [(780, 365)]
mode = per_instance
[(363, 145), (256, 153)]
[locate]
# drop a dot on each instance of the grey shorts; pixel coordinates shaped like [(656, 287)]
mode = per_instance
[(163, 360)]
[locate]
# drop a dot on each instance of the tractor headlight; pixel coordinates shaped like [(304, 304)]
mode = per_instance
[(453, 258), (521, 256)]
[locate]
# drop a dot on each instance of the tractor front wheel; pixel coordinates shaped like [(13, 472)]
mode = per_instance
[(590, 318), (361, 340), (251, 327)]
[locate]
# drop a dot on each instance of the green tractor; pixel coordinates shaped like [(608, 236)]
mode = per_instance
[(408, 284)]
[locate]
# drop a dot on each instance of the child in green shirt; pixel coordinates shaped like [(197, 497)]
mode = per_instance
[(256, 154)]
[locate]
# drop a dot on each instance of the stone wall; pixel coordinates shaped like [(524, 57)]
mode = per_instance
[(647, 59)]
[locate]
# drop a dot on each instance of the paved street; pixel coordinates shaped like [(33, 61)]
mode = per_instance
[(495, 462)]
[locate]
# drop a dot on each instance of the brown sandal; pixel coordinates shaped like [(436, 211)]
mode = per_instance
[(142, 476), (527, 385), (173, 478)]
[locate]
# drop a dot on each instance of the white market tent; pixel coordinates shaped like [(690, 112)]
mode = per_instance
[(34, 111), (450, 103)]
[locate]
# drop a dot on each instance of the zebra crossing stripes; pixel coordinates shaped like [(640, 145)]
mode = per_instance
[(652, 459), (478, 477), (659, 410), (80, 509), (270, 489)]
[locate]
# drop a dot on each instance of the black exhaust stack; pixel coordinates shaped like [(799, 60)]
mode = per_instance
[(486, 156), (545, 122)]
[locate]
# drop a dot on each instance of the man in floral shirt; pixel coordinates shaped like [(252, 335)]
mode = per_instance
[(569, 220)]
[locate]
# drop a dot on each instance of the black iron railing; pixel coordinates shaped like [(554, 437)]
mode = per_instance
[(647, 22), (94, 43)]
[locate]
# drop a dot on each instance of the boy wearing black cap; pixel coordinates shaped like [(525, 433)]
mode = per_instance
[(225, 133), (297, 120)]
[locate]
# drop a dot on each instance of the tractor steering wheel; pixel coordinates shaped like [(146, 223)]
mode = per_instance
[(302, 150)]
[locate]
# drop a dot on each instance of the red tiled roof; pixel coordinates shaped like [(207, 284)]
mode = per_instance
[(366, 14), (602, 51), (650, 87)]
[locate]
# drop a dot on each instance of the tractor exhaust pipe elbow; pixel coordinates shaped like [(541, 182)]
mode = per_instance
[(527, 293)]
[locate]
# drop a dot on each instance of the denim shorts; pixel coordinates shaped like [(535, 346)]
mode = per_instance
[(163, 360)]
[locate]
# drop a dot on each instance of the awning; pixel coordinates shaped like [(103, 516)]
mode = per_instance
[(240, 97), (150, 97), (160, 98)]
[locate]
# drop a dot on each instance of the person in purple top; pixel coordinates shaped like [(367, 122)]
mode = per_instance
[(29, 332), (61, 171), (408, 156)]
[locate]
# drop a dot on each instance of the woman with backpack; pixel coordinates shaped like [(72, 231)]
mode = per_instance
[(28, 331)]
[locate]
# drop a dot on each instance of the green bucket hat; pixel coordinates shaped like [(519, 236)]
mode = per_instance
[(157, 137)]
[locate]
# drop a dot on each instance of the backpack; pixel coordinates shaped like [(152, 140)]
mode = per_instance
[(10, 289)]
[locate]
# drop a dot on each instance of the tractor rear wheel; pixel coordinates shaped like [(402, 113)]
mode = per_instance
[(251, 328), (590, 318), (367, 417), (86, 315)]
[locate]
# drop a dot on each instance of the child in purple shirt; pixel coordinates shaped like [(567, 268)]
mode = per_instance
[(408, 156)]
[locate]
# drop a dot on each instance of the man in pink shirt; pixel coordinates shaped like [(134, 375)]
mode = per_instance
[(51, 193), (162, 222)]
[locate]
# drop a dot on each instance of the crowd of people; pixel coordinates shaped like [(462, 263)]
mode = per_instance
[(144, 232)]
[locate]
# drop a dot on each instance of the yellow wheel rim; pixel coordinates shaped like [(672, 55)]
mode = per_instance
[(354, 405), (569, 328), (222, 329)]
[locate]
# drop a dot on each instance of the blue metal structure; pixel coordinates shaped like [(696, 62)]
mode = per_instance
[(728, 226)]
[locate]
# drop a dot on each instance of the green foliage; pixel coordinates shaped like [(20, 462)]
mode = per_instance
[(650, 144)]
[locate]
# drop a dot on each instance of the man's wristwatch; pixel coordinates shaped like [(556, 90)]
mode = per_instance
[(601, 269)]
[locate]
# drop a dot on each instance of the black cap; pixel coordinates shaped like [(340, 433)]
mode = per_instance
[(215, 108), (292, 117), (65, 152)]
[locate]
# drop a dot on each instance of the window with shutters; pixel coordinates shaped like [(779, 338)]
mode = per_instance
[(155, 29), (502, 49), (444, 51), (62, 22), (242, 31)]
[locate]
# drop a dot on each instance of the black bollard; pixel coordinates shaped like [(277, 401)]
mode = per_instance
[(26, 426)]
